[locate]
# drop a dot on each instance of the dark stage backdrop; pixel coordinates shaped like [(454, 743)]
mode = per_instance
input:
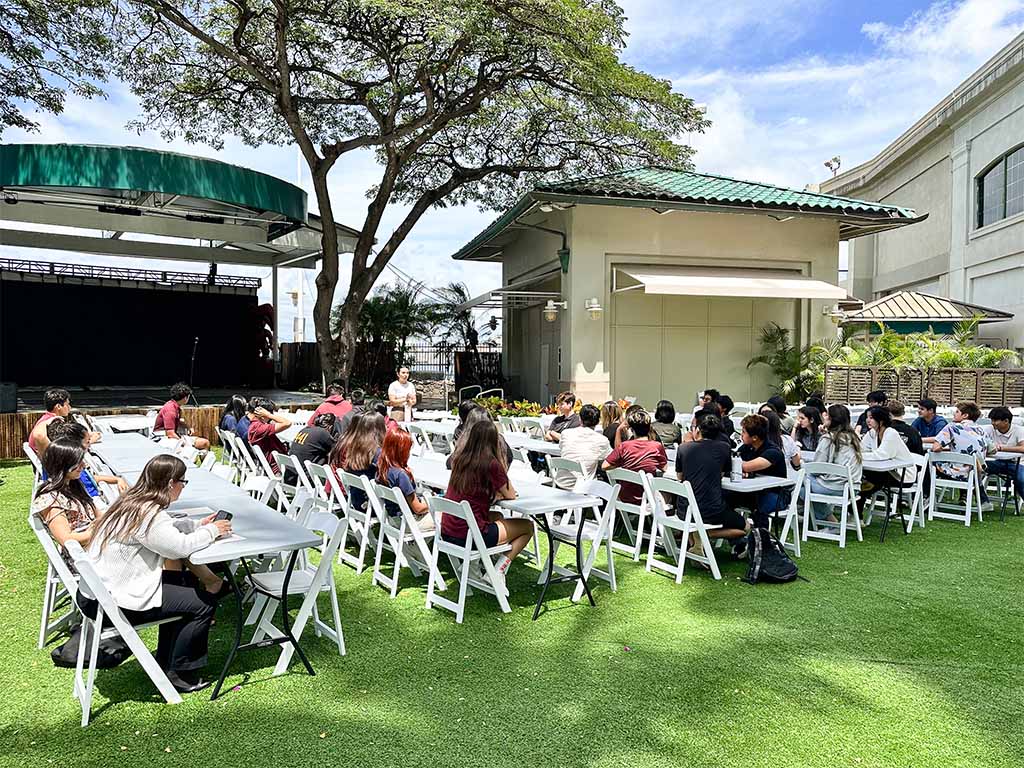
[(85, 335)]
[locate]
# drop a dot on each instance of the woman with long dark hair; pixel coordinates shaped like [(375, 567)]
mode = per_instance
[(62, 502), (839, 445), (129, 547), (393, 471), (611, 418), (473, 417), (357, 451), (807, 430), (780, 439), (235, 418), (479, 476), (882, 443)]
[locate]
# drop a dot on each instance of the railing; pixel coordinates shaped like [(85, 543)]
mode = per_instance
[(98, 272)]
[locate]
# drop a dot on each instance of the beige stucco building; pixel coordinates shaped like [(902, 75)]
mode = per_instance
[(686, 269), (963, 163)]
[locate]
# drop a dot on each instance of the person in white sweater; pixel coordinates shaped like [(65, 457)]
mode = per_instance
[(883, 443), (839, 445), (129, 547)]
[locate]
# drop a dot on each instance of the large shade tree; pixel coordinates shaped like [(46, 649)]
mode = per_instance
[(461, 101)]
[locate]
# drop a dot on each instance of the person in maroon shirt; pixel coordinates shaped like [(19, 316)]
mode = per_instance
[(479, 477), (58, 405), (644, 453), (264, 427), (335, 403), (168, 420)]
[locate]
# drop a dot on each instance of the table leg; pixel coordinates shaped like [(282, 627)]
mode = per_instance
[(542, 521), (1016, 498), (239, 619)]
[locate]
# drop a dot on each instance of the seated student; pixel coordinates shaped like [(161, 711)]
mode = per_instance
[(63, 428), (664, 425), (880, 443), (390, 425), (265, 426), (358, 406), (725, 406), (168, 419), (780, 439), (709, 397), (62, 502), (393, 472), (334, 404), (585, 445), (129, 547), (807, 430), (908, 434), (612, 418), (1007, 437), (876, 397), (691, 434), (963, 436), (465, 408), (702, 462), (479, 476), (762, 458), (565, 402), (816, 400), (58, 405), (643, 453), (357, 451), (778, 403), (313, 443), (838, 445), (928, 423), (477, 414), (235, 418), (624, 432)]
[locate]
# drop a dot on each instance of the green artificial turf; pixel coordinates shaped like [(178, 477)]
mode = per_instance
[(906, 653)]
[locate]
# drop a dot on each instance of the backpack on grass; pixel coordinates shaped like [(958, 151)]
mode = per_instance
[(768, 560)]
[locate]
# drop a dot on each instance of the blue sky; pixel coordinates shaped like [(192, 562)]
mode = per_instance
[(787, 84)]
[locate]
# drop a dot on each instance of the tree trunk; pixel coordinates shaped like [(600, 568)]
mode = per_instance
[(326, 282)]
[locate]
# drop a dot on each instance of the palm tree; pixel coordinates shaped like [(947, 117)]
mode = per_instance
[(790, 364)]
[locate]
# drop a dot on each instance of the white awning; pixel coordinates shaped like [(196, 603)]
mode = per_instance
[(726, 281), (513, 295)]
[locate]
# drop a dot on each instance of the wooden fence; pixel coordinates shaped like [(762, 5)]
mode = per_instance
[(15, 427), (988, 387)]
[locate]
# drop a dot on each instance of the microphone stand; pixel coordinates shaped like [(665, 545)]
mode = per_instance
[(192, 369)]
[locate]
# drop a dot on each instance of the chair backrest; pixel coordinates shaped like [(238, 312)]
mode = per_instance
[(227, 444), (350, 482), (531, 426), (208, 461), (261, 459), (557, 464), (661, 485), (422, 438), (522, 472), (224, 471), (618, 475), (798, 482), (944, 457), (37, 466), (244, 456), (53, 555), (519, 454), (812, 468), (440, 506), (508, 424)]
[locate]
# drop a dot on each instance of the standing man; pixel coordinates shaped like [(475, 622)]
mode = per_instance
[(1008, 437), (928, 423), (168, 420), (402, 396), (58, 405), (565, 403)]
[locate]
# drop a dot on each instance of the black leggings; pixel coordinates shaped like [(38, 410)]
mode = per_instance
[(183, 644)]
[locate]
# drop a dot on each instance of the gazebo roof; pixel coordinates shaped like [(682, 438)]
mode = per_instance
[(916, 307)]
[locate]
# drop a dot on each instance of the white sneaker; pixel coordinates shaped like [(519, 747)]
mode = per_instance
[(502, 563)]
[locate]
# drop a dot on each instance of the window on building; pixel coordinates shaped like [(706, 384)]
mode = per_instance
[(1001, 189)]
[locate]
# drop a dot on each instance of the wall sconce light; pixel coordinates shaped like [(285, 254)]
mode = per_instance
[(551, 309), (594, 308)]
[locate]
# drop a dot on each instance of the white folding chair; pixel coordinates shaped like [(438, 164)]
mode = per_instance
[(971, 486), (60, 587), (596, 532), (361, 522), (846, 501), (107, 612), (508, 424), (530, 426), (912, 492), (421, 437), (557, 464), (37, 467), (519, 454), (224, 471), (208, 461), (227, 446), (307, 579), (791, 515), (402, 535), (462, 556), (109, 493), (627, 511), (664, 525)]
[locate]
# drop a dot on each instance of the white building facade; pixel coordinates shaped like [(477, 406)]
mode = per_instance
[(963, 165)]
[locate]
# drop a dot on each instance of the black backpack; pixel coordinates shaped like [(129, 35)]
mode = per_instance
[(767, 559)]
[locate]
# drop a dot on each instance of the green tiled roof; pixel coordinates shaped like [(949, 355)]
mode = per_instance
[(676, 186), (646, 187)]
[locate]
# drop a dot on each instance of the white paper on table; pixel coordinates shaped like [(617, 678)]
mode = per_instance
[(229, 539)]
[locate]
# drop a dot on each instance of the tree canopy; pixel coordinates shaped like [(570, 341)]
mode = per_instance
[(461, 101), (46, 48)]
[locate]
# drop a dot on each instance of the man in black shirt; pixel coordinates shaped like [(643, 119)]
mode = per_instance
[(565, 402), (910, 436), (762, 459), (313, 443), (702, 462)]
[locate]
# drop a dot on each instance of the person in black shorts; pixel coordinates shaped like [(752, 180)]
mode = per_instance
[(702, 462)]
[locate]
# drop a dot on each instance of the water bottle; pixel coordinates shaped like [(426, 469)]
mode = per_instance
[(736, 474)]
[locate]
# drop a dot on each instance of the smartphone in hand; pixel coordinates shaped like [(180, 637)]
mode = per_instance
[(222, 514)]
